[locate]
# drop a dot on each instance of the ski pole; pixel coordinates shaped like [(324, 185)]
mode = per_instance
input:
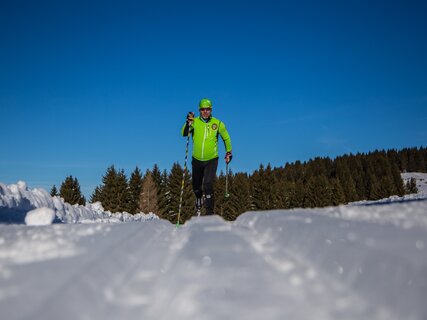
[(226, 181), (183, 178)]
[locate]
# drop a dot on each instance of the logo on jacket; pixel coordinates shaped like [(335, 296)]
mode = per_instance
[(214, 126)]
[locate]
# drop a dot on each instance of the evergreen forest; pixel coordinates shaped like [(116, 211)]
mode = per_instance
[(318, 182)]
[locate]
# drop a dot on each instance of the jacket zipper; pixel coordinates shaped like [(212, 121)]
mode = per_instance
[(203, 144)]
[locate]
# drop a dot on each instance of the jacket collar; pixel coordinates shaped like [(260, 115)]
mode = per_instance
[(205, 120)]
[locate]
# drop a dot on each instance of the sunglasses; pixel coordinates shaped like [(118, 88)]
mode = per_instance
[(205, 109)]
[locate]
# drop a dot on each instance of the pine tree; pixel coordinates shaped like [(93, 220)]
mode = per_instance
[(70, 191), (54, 191), (263, 193), (162, 193), (288, 194), (96, 195), (412, 161), (219, 198), (298, 195), (355, 165), (318, 192), (424, 152), (148, 195), (419, 161), (258, 192), (373, 187), (174, 193), (239, 200), (411, 186), (337, 193), (290, 172), (157, 175), (114, 194), (397, 180), (343, 174), (135, 188), (123, 193), (107, 190)]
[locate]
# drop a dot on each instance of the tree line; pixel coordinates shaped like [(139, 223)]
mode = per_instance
[(318, 182)]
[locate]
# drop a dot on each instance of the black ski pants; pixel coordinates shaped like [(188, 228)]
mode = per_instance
[(203, 179)]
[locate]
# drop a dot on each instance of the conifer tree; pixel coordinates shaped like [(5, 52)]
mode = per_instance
[(156, 174), (403, 156), (173, 195), (239, 200), (114, 194), (373, 187), (123, 192), (419, 161), (70, 191), (263, 193), (411, 186), (148, 196), (288, 194), (96, 195), (424, 152), (393, 157), (219, 191), (355, 163), (318, 192), (298, 195), (387, 187), (337, 193), (135, 188), (411, 160), (258, 197), (290, 172), (54, 191), (397, 180), (162, 193), (107, 191), (344, 175)]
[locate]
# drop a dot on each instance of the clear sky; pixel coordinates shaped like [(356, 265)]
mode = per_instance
[(87, 84)]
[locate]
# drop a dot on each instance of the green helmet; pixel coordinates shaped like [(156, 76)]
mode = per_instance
[(205, 103)]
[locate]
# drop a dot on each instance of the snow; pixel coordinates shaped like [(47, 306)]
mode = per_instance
[(366, 260), (17, 201), (40, 217)]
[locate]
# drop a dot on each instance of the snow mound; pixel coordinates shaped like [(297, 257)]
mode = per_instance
[(17, 200), (40, 217)]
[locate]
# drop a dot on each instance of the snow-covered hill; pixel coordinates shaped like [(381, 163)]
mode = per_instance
[(361, 261)]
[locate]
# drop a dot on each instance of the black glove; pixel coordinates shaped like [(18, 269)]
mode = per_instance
[(228, 157), (190, 118)]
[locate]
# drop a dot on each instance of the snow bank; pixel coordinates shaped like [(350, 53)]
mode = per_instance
[(17, 201)]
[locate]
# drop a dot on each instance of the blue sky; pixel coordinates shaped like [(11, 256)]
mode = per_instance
[(86, 84)]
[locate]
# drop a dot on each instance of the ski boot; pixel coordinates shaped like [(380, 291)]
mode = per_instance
[(199, 205)]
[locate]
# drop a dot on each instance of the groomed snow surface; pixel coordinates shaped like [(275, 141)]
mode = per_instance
[(367, 260)]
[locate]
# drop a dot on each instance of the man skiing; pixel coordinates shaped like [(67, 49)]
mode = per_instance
[(205, 130)]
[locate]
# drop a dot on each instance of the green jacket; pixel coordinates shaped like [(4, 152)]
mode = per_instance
[(205, 138)]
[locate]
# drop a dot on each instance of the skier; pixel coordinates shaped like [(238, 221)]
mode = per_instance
[(205, 130)]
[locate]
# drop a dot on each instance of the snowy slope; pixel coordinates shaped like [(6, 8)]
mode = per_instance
[(349, 262), (421, 179)]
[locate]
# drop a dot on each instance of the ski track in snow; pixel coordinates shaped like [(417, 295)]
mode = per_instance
[(366, 260), (198, 291), (301, 264)]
